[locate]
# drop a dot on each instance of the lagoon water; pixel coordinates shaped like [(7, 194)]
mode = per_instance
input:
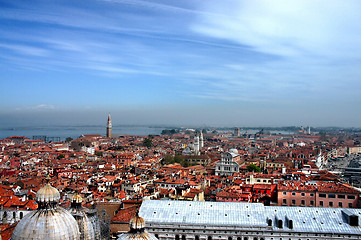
[(76, 131)]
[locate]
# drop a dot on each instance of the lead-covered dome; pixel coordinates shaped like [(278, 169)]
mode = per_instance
[(137, 223), (233, 150), (49, 221), (88, 229), (137, 230), (55, 224), (47, 193)]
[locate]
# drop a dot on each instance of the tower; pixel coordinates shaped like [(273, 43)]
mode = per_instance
[(196, 145), (201, 143), (237, 132), (109, 127)]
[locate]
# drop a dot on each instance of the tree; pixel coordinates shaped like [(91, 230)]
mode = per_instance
[(323, 136), (147, 142), (68, 139), (168, 159), (99, 154), (178, 159), (253, 168)]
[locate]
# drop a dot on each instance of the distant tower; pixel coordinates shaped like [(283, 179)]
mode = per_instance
[(201, 143), (237, 132), (196, 145), (309, 130), (109, 127)]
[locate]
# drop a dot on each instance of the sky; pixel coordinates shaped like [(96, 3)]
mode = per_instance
[(188, 62)]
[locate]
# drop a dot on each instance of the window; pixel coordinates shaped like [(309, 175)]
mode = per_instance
[(330, 204), (302, 202), (229, 238), (331, 196), (322, 195), (312, 203), (284, 201), (176, 237), (350, 197), (293, 194), (21, 215), (321, 203), (293, 202), (311, 195), (284, 193), (340, 204), (183, 237), (341, 196), (303, 194), (209, 238), (350, 205)]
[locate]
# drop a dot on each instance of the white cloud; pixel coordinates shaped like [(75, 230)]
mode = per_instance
[(288, 28)]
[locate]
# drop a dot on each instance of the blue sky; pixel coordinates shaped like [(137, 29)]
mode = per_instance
[(243, 63)]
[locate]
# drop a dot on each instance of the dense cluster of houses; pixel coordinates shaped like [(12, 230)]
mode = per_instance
[(119, 173)]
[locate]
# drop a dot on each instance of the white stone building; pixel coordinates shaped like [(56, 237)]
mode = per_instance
[(228, 163)]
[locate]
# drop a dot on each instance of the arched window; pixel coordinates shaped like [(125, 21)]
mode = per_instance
[(21, 215), (209, 238), (156, 235), (196, 237), (229, 238), (239, 238), (183, 237), (176, 237)]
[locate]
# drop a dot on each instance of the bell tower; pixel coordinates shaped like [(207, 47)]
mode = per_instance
[(109, 127)]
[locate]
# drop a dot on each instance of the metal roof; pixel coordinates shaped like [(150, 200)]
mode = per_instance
[(249, 215)]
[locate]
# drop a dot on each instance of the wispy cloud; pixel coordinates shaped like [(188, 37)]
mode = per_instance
[(37, 107), (25, 50)]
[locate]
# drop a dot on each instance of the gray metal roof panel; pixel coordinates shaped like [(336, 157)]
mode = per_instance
[(305, 219)]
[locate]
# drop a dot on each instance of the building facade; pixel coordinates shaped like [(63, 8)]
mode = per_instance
[(228, 165)]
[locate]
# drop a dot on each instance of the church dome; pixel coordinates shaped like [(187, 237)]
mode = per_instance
[(137, 230), (86, 226), (49, 221), (77, 199), (47, 193), (55, 224), (137, 223), (233, 150)]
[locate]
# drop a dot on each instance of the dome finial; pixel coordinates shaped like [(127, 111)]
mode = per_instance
[(48, 178)]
